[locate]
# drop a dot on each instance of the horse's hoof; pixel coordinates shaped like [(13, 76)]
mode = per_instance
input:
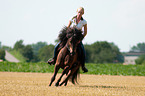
[(57, 84), (61, 84), (50, 84)]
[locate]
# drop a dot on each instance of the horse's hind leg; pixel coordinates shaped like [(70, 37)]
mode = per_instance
[(55, 73), (63, 72), (65, 83)]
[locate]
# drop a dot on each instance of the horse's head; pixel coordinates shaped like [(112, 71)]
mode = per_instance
[(74, 38)]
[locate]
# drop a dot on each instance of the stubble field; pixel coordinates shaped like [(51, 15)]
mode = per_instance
[(36, 84)]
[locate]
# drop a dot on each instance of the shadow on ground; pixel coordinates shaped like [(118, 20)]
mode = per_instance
[(101, 86)]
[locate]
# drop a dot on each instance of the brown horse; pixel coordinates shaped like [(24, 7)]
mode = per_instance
[(67, 58)]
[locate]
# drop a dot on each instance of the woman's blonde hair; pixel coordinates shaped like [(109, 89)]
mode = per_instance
[(80, 8)]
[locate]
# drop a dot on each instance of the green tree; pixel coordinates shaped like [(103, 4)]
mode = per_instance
[(102, 52), (46, 52), (6, 48), (118, 55), (139, 47), (140, 60), (19, 45), (89, 51), (37, 46), (2, 54), (28, 53)]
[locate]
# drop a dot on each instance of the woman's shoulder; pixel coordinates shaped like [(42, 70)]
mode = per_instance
[(84, 21)]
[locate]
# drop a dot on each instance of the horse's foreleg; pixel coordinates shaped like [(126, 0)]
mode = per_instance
[(55, 73), (66, 79), (63, 72), (71, 72)]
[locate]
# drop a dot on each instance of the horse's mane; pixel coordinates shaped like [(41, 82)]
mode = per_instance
[(62, 34), (66, 33)]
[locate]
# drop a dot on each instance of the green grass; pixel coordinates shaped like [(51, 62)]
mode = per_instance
[(116, 69), (98, 69), (26, 67)]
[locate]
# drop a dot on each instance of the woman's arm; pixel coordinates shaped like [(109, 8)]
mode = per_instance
[(85, 30), (69, 24)]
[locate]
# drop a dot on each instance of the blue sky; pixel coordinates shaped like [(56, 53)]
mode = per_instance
[(119, 21)]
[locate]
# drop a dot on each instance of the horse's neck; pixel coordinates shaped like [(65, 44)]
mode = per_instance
[(64, 50)]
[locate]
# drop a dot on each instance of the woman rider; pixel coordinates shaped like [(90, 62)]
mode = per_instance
[(79, 23)]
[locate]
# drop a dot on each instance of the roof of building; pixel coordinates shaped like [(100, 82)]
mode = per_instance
[(134, 53)]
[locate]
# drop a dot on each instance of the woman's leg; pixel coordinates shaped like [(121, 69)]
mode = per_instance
[(55, 55), (83, 55)]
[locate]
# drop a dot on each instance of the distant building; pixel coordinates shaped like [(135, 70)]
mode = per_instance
[(130, 57)]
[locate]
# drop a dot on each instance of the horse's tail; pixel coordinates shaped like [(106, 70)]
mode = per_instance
[(74, 78)]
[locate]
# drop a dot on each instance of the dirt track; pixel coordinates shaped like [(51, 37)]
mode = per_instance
[(36, 84), (9, 57)]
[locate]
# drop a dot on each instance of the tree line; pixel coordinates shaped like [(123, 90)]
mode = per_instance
[(140, 47), (98, 52)]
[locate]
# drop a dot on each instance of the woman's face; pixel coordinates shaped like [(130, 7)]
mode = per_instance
[(80, 12)]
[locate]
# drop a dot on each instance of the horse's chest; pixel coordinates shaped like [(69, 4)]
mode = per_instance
[(69, 60)]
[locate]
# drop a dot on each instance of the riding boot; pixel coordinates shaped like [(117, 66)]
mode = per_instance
[(82, 60), (83, 67), (52, 61)]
